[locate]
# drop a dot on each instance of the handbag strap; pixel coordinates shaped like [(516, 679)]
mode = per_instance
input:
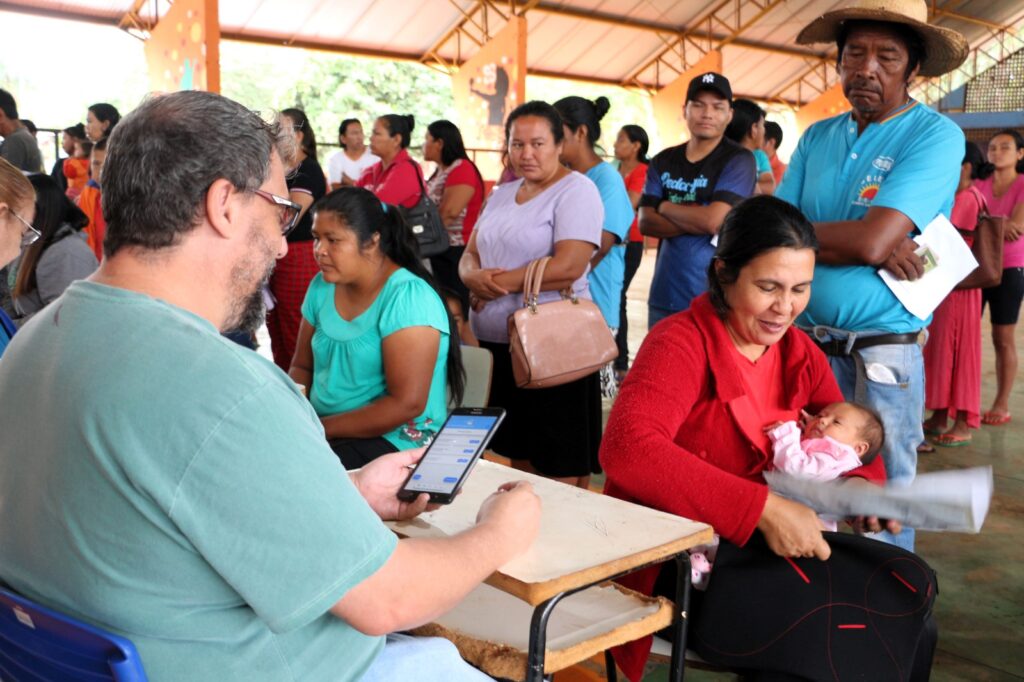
[(419, 176), (532, 283)]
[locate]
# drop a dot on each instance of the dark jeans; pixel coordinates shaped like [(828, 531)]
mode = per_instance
[(634, 254), (446, 274)]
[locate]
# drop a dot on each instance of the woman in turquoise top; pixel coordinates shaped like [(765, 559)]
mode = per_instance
[(374, 351), (17, 211), (581, 120)]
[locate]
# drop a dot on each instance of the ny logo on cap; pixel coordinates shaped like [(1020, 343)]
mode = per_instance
[(708, 78)]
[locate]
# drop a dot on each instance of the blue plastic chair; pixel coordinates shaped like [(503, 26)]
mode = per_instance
[(38, 644)]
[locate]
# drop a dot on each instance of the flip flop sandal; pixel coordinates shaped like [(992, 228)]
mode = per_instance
[(947, 441), (995, 418), (925, 448)]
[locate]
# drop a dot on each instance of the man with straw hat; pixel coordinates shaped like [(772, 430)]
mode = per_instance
[(868, 179)]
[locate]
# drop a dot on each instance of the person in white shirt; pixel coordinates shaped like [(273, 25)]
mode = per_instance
[(345, 167)]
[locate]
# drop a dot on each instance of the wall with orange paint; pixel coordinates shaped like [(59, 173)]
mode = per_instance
[(183, 51), (487, 87), (830, 103)]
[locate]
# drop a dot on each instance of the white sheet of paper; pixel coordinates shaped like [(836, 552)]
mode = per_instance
[(953, 500), (955, 261)]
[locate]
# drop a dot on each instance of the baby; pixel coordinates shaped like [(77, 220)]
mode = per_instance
[(843, 436), (821, 447)]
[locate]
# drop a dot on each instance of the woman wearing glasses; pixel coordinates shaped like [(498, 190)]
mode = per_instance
[(17, 211), (375, 351), (293, 273)]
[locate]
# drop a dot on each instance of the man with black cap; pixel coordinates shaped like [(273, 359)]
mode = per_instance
[(869, 179), (689, 190)]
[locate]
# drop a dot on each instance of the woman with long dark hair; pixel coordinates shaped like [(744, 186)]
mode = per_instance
[(631, 147), (60, 256), (377, 351), (1003, 188), (687, 436), (458, 190), (292, 275)]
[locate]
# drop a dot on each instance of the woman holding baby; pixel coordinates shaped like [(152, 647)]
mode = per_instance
[(689, 434)]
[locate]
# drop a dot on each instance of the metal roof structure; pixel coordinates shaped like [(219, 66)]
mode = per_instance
[(632, 43)]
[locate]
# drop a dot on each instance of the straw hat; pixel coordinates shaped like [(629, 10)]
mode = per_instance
[(945, 49)]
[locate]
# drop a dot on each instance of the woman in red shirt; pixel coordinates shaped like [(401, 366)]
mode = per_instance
[(631, 152), (687, 432), (396, 179), (458, 190)]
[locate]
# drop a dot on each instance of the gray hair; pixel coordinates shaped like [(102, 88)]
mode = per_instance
[(163, 157)]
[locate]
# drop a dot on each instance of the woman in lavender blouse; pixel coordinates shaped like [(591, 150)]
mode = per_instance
[(548, 211)]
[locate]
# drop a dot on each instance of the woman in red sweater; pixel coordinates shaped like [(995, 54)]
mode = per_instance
[(687, 432)]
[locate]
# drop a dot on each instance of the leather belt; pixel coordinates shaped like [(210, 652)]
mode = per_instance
[(839, 346)]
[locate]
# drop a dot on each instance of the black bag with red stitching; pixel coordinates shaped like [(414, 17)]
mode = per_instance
[(861, 615)]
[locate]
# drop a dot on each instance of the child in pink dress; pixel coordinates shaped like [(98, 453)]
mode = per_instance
[(821, 447)]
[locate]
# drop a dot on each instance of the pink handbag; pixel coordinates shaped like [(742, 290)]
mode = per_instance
[(557, 342)]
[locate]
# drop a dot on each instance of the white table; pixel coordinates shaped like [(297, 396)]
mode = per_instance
[(585, 539)]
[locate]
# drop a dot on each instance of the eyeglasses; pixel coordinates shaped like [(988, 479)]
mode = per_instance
[(289, 210), (30, 235)]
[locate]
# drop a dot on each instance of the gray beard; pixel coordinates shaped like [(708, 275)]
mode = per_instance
[(248, 310), (249, 313)]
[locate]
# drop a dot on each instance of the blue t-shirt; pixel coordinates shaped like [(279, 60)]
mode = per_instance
[(607, 278), (726, 174), (764, 165), (909, 162), (348, 355)]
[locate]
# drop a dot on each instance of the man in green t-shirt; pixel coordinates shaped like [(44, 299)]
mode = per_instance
[(165, 484)]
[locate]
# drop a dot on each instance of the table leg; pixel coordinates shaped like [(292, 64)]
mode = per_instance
[(678, 664), (538, 637), (609, 667)]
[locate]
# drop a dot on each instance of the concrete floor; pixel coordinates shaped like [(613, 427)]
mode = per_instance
[(980, 607)]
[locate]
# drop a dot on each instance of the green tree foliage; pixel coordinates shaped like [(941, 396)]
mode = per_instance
[(330, 88)]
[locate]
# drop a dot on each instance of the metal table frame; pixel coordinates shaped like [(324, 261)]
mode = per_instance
[(543, 611)]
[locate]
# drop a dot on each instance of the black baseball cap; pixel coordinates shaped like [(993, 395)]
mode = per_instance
[(710, 82)]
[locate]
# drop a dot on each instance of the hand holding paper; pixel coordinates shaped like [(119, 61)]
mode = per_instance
[(947, 260)]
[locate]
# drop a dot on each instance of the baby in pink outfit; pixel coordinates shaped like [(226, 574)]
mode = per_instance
[(843, 436), (820, 447)]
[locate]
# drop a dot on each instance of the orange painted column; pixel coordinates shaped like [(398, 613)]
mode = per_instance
[(183, 51), (486, 88)]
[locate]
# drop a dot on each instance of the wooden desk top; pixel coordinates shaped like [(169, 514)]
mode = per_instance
[(584, 537)]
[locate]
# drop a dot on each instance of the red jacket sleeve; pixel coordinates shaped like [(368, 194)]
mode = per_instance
[(664, 408)]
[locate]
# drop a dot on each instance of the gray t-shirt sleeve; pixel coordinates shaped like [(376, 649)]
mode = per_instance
[(68, 260)]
